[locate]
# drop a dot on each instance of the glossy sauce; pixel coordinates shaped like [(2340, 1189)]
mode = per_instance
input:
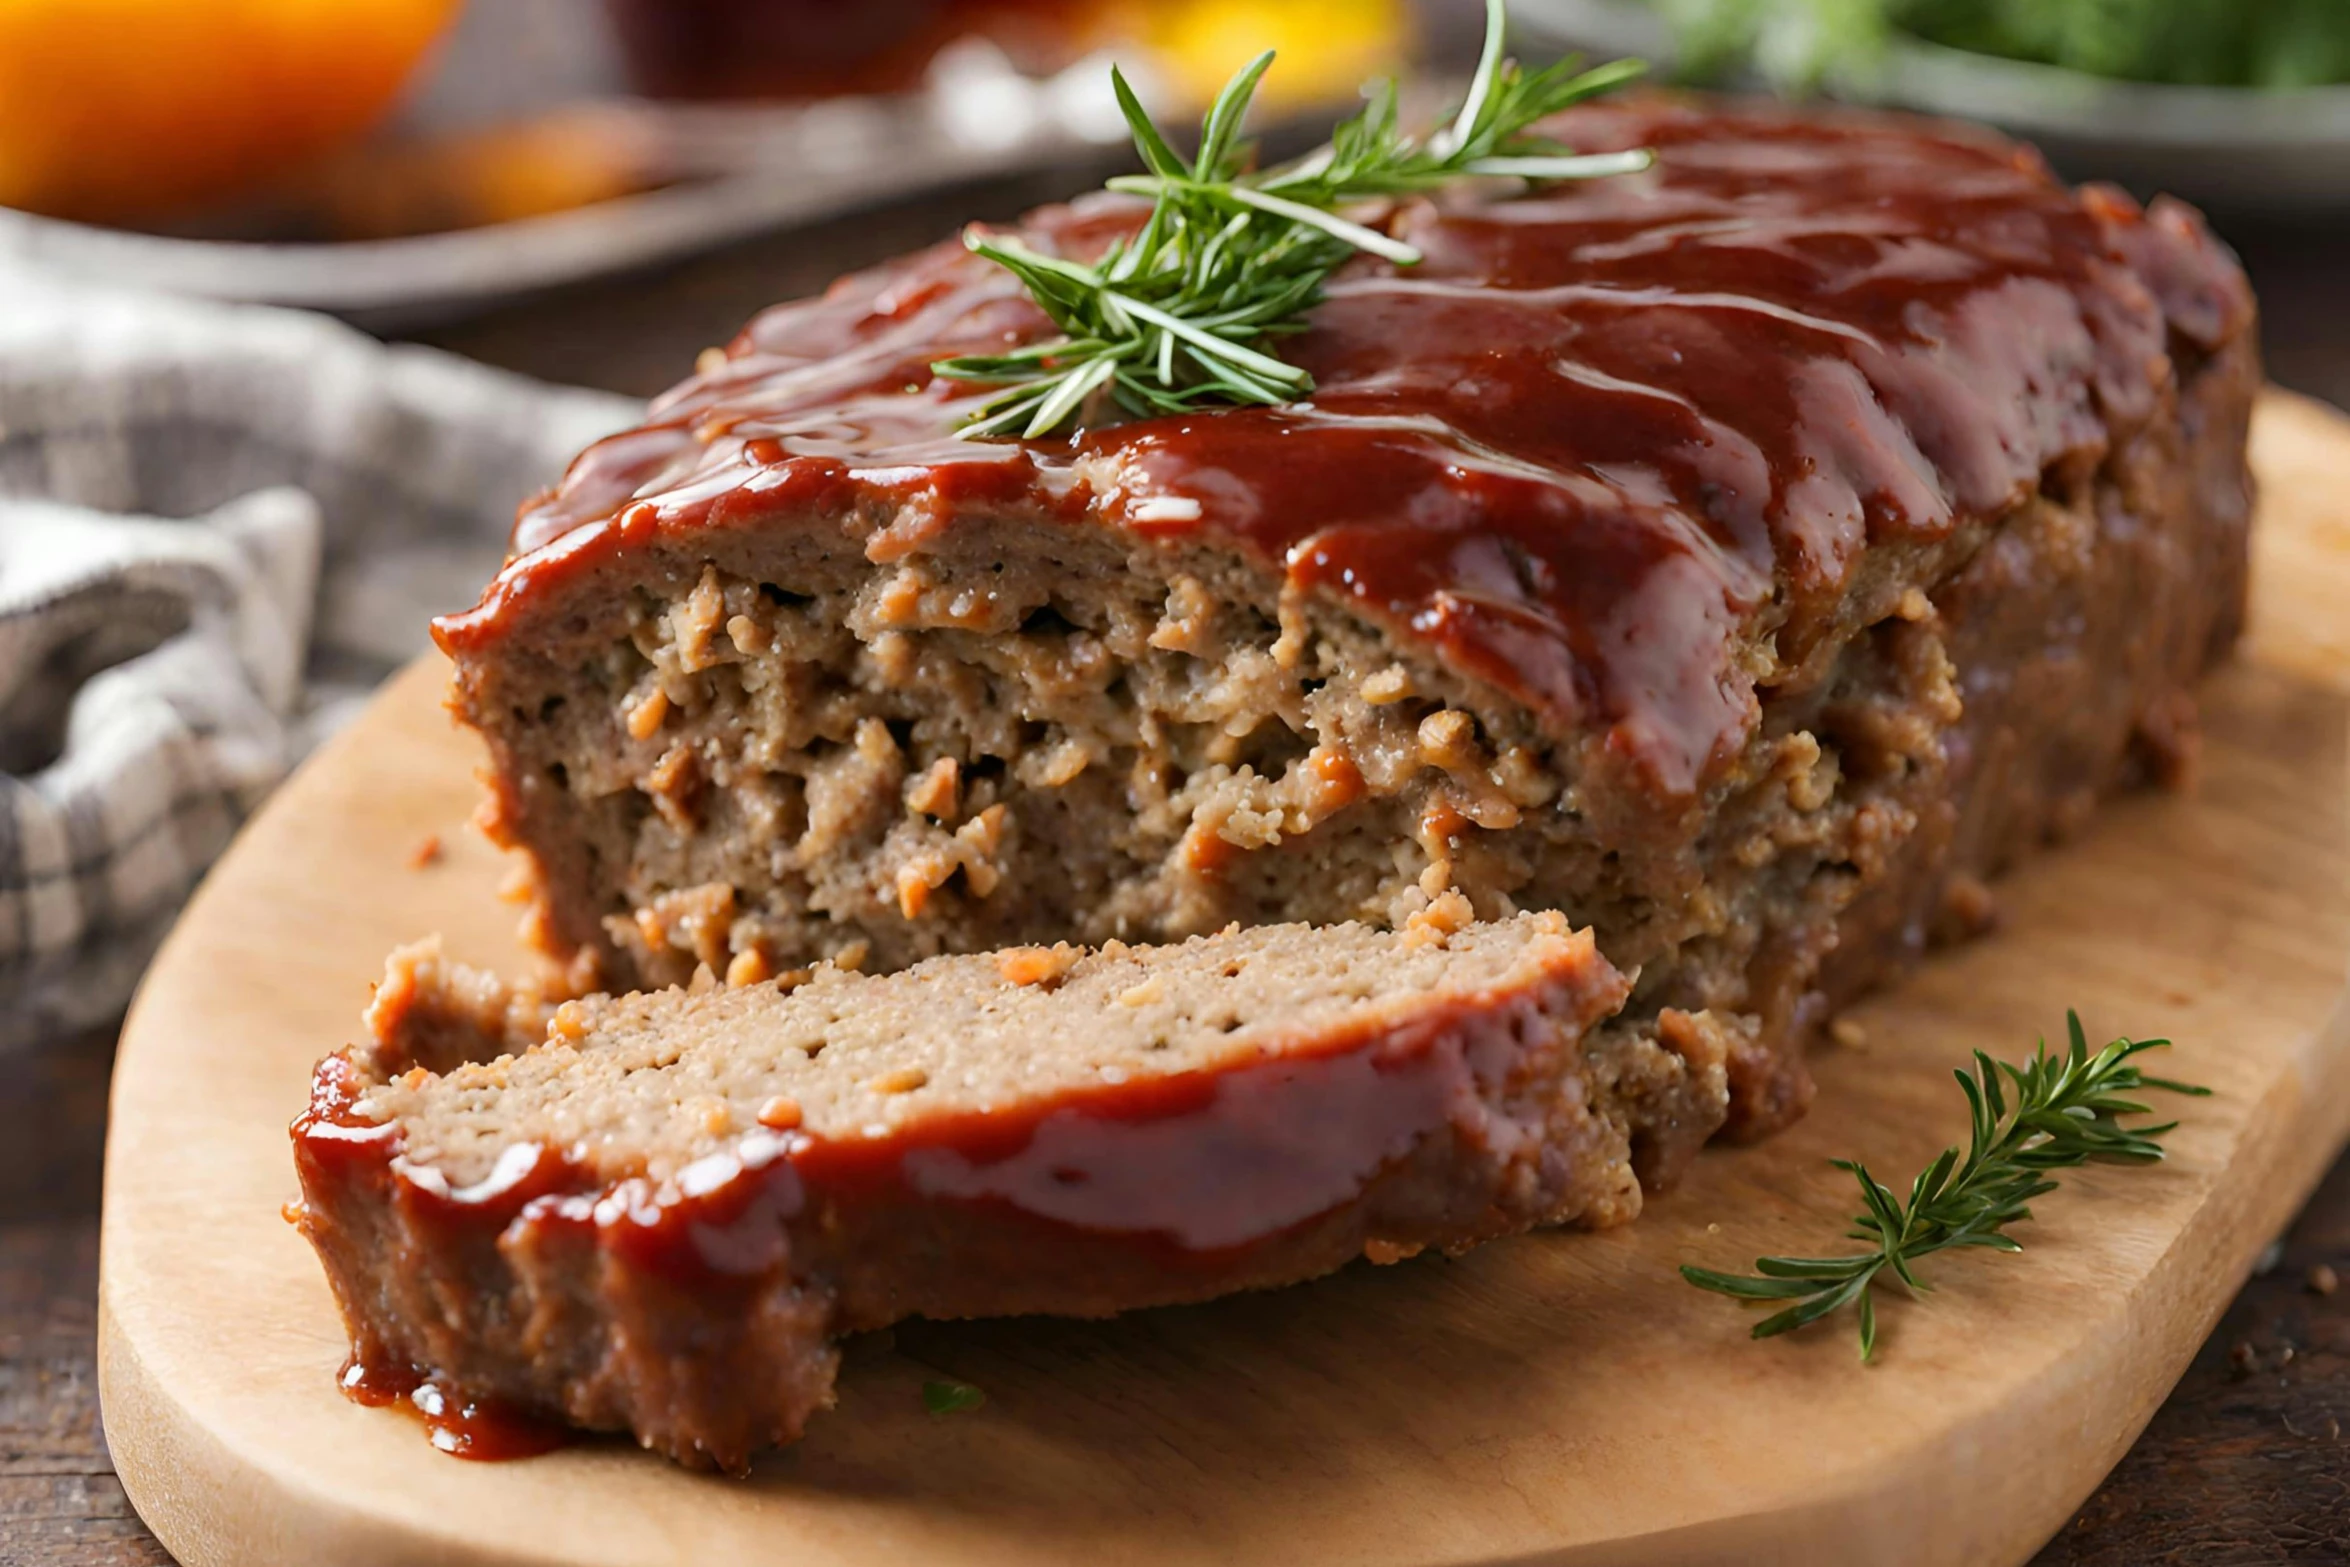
[(1199, 1168), (1196, 1168), (461, 1427), (1200, 1165), (1601, 431), (1195, 1171)]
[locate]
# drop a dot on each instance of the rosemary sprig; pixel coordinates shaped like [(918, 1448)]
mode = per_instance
[(1181, 313), (2065, 1113)]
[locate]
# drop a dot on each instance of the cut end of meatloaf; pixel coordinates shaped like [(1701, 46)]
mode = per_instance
[(1023, 732), (658, 1217)]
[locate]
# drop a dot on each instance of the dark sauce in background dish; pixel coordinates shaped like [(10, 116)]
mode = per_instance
[(815, 48)]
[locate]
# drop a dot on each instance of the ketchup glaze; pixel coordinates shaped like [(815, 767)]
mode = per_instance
[(1602, 432)]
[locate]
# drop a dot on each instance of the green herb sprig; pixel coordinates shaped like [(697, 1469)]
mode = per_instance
[(951, 1398), (2066, 1113), (1180, 314)]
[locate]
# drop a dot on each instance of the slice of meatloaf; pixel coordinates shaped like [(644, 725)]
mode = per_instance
[(1747, 558), (657, 1219)]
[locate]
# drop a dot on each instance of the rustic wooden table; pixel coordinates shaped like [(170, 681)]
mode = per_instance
[(2247, 1463)]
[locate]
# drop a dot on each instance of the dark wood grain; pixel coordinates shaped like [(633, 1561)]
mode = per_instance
[(59, 1500), (2249, 1459), (2247, 1463)]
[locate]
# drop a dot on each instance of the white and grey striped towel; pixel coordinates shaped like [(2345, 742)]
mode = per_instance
[(218, 528)]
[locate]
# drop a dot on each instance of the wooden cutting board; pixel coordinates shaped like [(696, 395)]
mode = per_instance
[(1563, 1397)]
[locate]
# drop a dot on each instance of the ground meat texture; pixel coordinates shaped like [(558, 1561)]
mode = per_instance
[(659, 1216), (1747, 558)]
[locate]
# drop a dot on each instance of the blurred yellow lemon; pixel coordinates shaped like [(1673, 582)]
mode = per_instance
[(118, 110), (1327, 48)]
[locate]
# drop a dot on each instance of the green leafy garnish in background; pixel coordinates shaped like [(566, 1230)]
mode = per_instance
[(2067, 1112), (2254, 43), (1182, 313)]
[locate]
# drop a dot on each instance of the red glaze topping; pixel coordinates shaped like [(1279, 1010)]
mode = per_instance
[(1601, 433), (1195, 1169), (1231, 1171), (1198, 1165)]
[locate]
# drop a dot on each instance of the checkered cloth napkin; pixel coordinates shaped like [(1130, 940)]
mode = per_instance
[(219, 527)]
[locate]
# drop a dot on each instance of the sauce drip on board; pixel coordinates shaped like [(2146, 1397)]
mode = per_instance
[(1606, 439), (461, 1427)]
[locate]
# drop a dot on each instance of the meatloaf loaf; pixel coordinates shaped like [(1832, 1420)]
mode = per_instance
[(657, 1218), (1747, 557)]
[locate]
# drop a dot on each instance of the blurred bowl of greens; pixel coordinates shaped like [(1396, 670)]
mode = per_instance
[(2241, 106)]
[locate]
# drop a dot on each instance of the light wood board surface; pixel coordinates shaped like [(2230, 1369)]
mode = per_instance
[(1563, 1397)]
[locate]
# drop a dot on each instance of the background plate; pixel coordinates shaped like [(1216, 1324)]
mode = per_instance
[(2229, 150)]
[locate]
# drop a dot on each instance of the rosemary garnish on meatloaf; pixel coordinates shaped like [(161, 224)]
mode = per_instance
[(2067, 1112), (1179, 314)]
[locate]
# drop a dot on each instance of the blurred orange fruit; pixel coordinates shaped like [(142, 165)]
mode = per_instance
[(119, 110)]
